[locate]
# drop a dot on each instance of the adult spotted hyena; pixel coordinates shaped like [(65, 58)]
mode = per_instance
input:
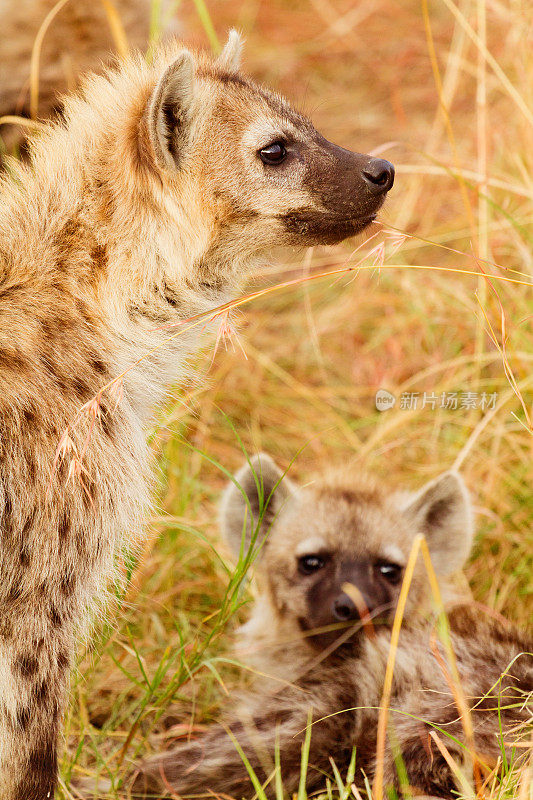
[(159, 192), (335, 552)]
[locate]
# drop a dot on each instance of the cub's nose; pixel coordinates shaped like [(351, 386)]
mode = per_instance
[(379, 175), (344, 608)]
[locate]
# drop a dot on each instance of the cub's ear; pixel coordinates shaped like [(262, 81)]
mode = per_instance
[(229, 59), (169, 111), (443, 513), (251, 501)]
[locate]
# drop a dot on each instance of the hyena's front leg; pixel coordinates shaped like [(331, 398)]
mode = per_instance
[(36, 648)]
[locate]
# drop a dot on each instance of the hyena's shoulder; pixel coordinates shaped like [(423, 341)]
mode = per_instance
[(492, 656), (485, 639)]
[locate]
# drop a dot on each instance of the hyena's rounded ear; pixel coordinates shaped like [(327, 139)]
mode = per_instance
[(443, 513), (229, 59), (251, 501), (169, 110)]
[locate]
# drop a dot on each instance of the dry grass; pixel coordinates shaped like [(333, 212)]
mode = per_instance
[(446, 94)]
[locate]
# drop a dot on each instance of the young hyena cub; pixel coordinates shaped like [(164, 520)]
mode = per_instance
[(310, 631), (161, 190)]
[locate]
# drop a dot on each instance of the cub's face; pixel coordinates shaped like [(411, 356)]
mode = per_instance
[(333, 554), (348, 550), (250, 172)]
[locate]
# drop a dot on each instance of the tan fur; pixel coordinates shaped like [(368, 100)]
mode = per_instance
[(355, 521), (149, 204)]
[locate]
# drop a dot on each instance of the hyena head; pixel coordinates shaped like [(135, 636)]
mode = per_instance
[(246, 172), (334, 551)]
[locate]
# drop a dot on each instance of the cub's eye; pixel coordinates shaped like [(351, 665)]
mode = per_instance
[(391, 572), (309, 564), (273, 154)]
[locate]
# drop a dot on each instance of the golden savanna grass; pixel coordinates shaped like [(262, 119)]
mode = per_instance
[(440, 302)]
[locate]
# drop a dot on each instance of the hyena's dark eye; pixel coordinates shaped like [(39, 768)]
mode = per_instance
[(309, 564), (273, 154), (391, 572)]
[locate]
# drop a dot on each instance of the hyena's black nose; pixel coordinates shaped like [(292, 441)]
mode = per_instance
[(379, 175), (344, 608)]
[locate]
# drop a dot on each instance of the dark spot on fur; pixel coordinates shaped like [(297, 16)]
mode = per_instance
[(23, 718), (463, 622), (55, 616), (82, 389), (8, 512), (11, 361), (64, 526), (28, 525), (41, 777), (63, 661), (40, 692), (30, 416), (99, 257), (30, 469), (171, 297), (26, 666), (14, 593), (99, 366), (53, 327), (55, 372), (8, 292), (70, 229), (67, 585), (108, 424), (97, 552)]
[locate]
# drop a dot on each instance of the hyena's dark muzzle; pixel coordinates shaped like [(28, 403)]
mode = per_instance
[(332, 610), (346, 190)]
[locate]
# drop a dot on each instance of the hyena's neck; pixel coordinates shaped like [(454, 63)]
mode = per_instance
[(120, 276)]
